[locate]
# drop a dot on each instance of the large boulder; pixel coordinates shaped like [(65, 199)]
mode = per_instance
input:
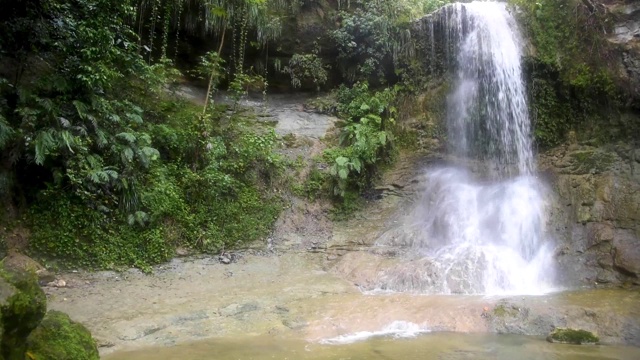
[(60, 338), (22, 306), (20, 263), (7, 291)]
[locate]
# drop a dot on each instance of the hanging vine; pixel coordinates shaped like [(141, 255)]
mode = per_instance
[(168, 6), (179, 9), (141, 12), (243, 40), (152, 30)]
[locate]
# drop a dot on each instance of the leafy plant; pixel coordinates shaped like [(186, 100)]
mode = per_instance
[(373, 35), (366, 138), (304, 67)]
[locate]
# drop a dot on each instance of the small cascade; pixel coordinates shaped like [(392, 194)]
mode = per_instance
[(479, 228)]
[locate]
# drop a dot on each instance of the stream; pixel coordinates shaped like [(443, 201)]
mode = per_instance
[(449, 346)]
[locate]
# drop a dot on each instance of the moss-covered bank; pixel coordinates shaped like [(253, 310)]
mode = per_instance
[(59, 338), (25, 331)]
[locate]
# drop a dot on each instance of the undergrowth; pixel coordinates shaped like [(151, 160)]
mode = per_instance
[(206, 194)]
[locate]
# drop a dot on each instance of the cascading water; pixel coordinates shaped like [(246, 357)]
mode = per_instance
[(480, 228)]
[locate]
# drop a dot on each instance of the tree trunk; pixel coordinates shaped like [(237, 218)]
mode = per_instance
[(206, 99)]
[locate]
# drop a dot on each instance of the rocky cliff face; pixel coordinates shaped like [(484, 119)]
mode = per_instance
[(626, 37), (596, 212)]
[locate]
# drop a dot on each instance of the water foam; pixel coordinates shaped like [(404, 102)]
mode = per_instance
[(396, 330)]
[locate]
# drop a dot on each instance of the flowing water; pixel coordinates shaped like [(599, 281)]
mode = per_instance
[(481, 226), (426, 347)]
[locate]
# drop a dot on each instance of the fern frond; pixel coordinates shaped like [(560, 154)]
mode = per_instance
[(127, 155), (44, 144), (128, 137), (6, 132), (67, 139)]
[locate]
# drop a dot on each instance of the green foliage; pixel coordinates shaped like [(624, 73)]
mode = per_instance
[(60, 338), (305, 67), (77, 236), (315, 185), (373, 34), (365, 139), (70, 117), (243, 82), (111, 170), (552, 113), (363, 42), (211, 68), (202, 194), (572, 86)]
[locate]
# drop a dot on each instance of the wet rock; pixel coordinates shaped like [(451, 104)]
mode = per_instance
[(294, 324), (237, 309), (57, 337), (626, 35), (595, 217), (7, 291), (139, 332), (23, 305), (104, 343), (182, 252), (627, 252), (509, 318), (572, 336), (18, 262), (58, 283), (195, 316), (228, 258), (605, 277)]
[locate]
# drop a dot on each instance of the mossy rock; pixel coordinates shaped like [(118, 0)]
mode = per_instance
[(502, 311), (60, 338), (7, 291), (572, 336), (22, 307)]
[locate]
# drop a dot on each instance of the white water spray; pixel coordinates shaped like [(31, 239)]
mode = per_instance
[(481, 230)]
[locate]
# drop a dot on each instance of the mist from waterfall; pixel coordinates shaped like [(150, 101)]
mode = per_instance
[(479, 227)]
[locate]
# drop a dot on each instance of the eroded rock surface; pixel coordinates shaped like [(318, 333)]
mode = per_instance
[(596, 213)]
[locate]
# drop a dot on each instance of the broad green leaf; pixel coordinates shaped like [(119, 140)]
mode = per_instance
[(383, 137), (334, 170), (342, 161), (343, 173), (357, 165)]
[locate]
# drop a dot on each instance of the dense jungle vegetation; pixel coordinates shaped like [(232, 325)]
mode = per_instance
[(103, 165)]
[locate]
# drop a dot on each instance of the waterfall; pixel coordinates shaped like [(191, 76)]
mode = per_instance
[(479, 228)]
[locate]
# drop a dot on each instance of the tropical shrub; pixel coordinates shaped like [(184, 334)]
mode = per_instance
[(365, 137)]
